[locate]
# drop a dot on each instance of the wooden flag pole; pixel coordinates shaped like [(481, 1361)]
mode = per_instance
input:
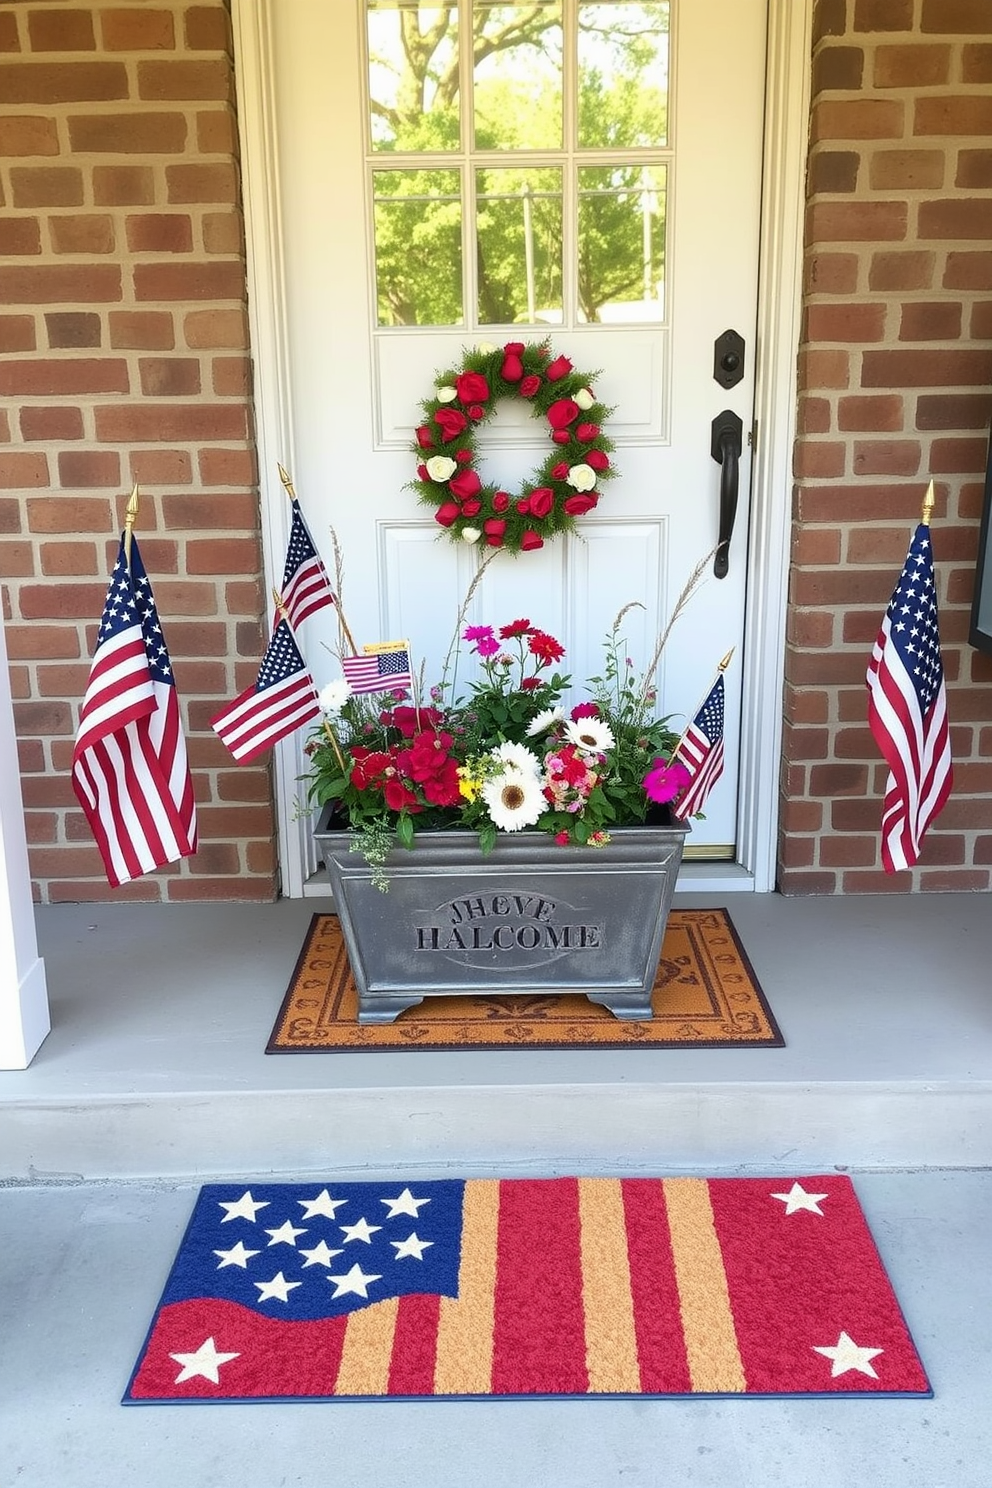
[(929, 502), (130, 517), (721, 668)]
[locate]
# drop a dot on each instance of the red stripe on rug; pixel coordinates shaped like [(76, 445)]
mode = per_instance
[(411, 1368), (799, 1281), (539, 1336), (657, 1318)]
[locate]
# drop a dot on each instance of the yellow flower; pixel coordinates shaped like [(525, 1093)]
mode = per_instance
[(468, 785)]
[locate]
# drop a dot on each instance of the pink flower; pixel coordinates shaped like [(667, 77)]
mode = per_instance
[(585, 710), (665, 780), (562, 839)]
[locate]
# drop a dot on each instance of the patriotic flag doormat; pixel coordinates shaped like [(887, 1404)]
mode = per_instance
[(527, 1287)]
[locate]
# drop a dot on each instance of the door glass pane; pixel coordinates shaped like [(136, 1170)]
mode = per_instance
[(622, 215), (517, 58), (413, 75), (519, 236), (623, 75), (418, 247)]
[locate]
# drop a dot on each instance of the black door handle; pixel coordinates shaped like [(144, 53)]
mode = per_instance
[(727, 437)]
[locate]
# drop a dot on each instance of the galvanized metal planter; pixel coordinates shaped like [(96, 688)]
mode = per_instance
[(527, 918)]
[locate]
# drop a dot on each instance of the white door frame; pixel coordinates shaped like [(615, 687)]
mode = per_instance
[(779, 302)]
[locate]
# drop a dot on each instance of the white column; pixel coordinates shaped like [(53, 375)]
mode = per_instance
[(24, 1018)]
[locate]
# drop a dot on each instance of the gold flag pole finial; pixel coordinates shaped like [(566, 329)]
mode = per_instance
[(726, 660), (280, 606), (721, 668), (287, 483), (929, 502), (130, 517)]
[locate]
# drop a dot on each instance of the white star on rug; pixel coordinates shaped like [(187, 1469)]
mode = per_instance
[(360, 1231), (411, 1246), (205, 1361), (355, 1281), (846, 1355), (244, 1208), (237, 1256), (797, 1198), (322, 1204), (404, 1203), (285, 1235), (320, 1255), (278, 1287)]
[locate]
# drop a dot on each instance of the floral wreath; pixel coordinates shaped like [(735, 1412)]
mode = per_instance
[(564, 485)]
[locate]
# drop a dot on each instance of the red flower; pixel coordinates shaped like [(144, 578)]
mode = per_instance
[(423, 472), (561, 436), (531, 540), (598, 460), (471, 387), (424, 437), (515, 628), (530, 385), (530, 684), (580, 503), (471, 508), (494, 527), (466, 483), (561, 838), (494, 539), (464, 457), (584, 710), (523, 505), (476, 411), (559, 368), (541, 501), (561, 414), (501, 500), (400, 797), (513, 368), (545, 647), (448, 512), (451, 423), (368, 767), (408, 720), (560, 470), (587, 433)]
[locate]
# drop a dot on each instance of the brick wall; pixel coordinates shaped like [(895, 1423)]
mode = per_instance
[(123, 357), (895, 377)]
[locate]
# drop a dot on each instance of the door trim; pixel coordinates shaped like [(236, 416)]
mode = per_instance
[(787, 87)]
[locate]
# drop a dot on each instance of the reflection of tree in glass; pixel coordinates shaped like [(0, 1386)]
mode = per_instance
[(621, 106)]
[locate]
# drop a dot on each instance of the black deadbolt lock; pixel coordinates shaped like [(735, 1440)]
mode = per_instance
[(728, 359)]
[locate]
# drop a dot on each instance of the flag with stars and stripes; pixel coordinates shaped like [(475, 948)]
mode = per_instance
[(907, 708), (527, 1287), (305, 585), (282, 699), (380, 668), (130, 771), (701, 751)]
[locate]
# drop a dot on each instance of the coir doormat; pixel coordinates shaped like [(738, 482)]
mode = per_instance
[(705, 994), (527, 1287)]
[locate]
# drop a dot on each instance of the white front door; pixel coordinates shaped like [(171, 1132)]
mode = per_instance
[(588, 172)]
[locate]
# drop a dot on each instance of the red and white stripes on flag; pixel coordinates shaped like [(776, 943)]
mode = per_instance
[(907, 708), (305, 585), (130, 772), (282, 699), (701, 751)]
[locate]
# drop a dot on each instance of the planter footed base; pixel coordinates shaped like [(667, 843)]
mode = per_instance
[(527, 919)]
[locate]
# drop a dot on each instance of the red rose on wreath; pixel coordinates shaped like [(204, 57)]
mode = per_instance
[(466, 483), (529, 385), (530, 541), (513, 368), (562, 413), (587, 432), (559, 368), (451, 423), (598, 460), (447, 512), (424, 437), (541, 501), (471, 387), (464, 457), (501, 501), (578, 505)]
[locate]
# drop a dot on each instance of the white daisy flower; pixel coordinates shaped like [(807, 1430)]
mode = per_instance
[(591, 734), (517, 757), (584, 399), (514, 800), (471, 534), (333, 697), (545, 720), (447, 394), (580, 477), (442, 467)]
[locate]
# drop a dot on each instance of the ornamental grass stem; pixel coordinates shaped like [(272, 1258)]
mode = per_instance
[(453, 649), (680, 604)]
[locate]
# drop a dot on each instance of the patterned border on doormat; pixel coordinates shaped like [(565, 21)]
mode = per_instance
[(706, 996)]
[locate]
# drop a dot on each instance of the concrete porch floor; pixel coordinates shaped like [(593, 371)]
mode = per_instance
[(153, 1078)]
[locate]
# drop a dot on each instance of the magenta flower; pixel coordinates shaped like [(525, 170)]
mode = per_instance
[(665, 780), (584, 710)]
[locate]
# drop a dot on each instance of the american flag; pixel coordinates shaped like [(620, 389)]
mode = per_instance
[(907, 708), (528, 1287), (701, 751), (380, 669), (305, 585), (129, 767), (283, 698)]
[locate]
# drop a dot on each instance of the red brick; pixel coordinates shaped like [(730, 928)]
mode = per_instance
[(123, 185), (222, 232), (958, 456), (164, 467), (89, 232), (189, 281), (36, 642), (208, 677), (19, 235), (849, 851), (945, 881), (28, 134), (838, 68), (62, 82), (207, 29), (61, 31), (797, 852), (886, 457), (142, 330), (77, 891), (222, 555), (213, 329), (976, 63), (818, 458), (815, 546), (16, 562), (244, 784), (829, 19), (967, 217), (62, 422), (260, 890), (169, 377), (89, 468), (161, 556), (954, 411), (875, 545), (65, 375), (878, 414), (243, 597), (933, 368), (46, 186), (138, 30), (895, 270), (72, 328), (823, 369), (17, 333), (220, 467), (974, 169), (950, 17), (217, 132), (909, 170), (883, 15), (22, 469), (128, 134), (831, 273), (968, 271), (981, 321), (814, 416), (49, 284), (67, 514), (953, 114), (61, 560), (9, 39), (170, 232), (811, 629), (162, 81), (795, 882), (826, 586), (61, 601), (146, 423), (850, 221), (41, 827), (911, 66), (231, 377), (857, 118), (851, 322), (43, 717), (202, 183), (935, 321)]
